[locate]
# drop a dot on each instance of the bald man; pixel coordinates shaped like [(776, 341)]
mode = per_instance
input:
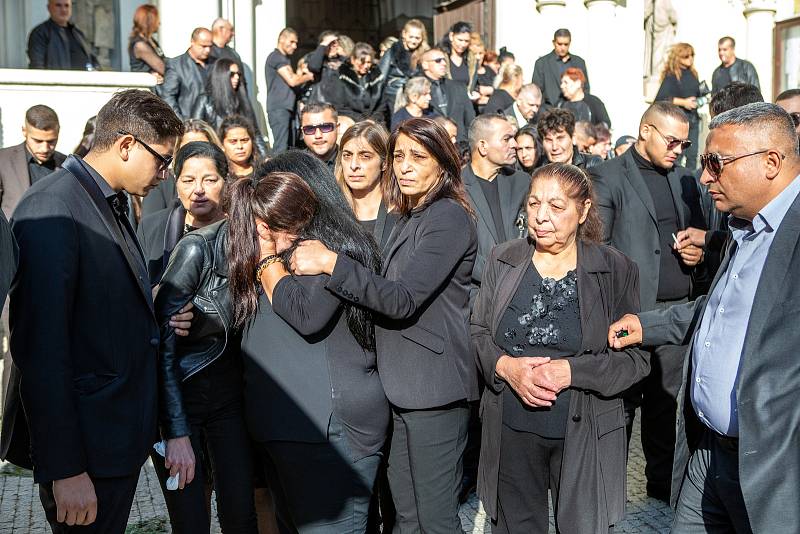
[(186, 74), (526, 106), (58, 44), (736, 464)]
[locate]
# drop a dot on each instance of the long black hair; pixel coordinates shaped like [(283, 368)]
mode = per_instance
[(335, 226), (226, 101)]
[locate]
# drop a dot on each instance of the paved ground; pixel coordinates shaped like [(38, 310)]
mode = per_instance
[(21, 512)]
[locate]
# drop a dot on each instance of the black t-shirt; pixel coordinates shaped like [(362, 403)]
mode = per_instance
[(279, 94), (493, 198), (36, 170), (487, 78), (460, 74), (542, 319), (687, 86), (674, 276), (369, 226)]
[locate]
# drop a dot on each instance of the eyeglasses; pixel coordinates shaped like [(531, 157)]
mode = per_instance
[(440, 60), (164, 161), (713, 162), (672, 142), (234, 73), (325, 127)]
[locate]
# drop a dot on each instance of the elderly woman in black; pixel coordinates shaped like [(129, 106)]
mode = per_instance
[(200, 376), (421, 301), (313, 399), (552, 414)]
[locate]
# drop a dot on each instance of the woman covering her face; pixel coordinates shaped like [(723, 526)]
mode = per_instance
[(421, 303)]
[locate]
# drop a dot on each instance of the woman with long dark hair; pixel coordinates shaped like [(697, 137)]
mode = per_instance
[(314, 403), (144, 52), (530, 153), (237, 135), (421, 301), (200, 377), (225, 95), (462, 66)]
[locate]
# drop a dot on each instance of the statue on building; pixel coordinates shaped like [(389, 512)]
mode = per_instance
[(660, 24)]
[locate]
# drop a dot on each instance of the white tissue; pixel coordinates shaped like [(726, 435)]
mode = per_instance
[(172, 482)]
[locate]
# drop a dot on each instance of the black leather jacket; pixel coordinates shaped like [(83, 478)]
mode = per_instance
[(197, 272), (204, 110)]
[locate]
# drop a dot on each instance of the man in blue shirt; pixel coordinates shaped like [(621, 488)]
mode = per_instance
[(736, 463)]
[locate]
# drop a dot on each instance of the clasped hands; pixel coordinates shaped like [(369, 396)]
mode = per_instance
[(537, 381), (690, 245)]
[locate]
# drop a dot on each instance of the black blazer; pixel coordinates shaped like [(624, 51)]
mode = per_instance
[(164, 195), (183, 83), (629, 215), (383, 226), (513, 187), (459, 107), (8, 257), (85, 338), (423, 345), (158, 234)]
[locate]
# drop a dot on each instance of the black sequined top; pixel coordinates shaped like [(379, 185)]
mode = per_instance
[(542, 319)]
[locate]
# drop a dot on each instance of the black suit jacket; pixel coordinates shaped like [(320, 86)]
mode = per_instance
[(84, 340), (158, 234), (15, 178), (183, 84), (459, 107), (8, 257), (425, 356), (629, 215), (513, 187), (49, 49)]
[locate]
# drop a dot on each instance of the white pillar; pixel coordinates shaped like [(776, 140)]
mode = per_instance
[(760, 16), (552, 16), (270, 20), (602, 32)]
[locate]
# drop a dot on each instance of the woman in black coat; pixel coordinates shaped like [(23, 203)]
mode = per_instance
[(314, 403), (225, 95), (360, 85), (552, 412), (421, 301), (399, 63)]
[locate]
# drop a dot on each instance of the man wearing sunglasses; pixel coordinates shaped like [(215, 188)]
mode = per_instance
[(736, 463), (644, 199), (320, 129), (84, 337), (448, 98)]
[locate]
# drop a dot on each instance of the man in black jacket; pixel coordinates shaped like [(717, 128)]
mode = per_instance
[(548, 69), (731, 68), (58, 44), (449, 98), (88, 387), (186, 74), (644, 199)]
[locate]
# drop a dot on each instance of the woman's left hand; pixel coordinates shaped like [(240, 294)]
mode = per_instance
[(312, 257), (266, 243)]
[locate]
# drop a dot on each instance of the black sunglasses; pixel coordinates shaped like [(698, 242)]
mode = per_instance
[(713, 162), (325, 127), (163, 160), (671, 141), (234, 73), (440, 60)]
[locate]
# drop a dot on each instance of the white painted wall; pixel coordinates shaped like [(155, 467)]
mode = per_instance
[(74, 95), (180, 17)]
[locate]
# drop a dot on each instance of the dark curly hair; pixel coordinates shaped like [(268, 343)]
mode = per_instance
[(555, 120)]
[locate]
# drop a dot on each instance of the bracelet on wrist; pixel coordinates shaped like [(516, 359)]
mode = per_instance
[(264, 263)]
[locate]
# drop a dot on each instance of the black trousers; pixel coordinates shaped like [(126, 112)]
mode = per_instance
[(657, 395), (114, 500), (425, 468), (318, 488), (212, 401), (281, 123), (530, 465), (711, 498)]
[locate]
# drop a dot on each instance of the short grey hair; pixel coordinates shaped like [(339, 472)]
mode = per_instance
[(481, 127), (530, 89), (756, 117)]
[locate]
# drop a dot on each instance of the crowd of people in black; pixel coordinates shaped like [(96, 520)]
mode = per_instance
[(426, 283)]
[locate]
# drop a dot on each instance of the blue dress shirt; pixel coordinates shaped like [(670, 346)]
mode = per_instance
[(720, 336)]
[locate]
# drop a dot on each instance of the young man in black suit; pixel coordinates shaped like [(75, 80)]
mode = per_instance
[(85, 338)]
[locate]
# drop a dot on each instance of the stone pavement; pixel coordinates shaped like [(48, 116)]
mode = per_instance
[(21, 512)]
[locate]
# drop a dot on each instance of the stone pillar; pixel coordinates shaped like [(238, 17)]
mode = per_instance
[(549, 7), (760, 17)]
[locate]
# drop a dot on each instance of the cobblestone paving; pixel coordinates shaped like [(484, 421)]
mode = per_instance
[(21, 512)]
